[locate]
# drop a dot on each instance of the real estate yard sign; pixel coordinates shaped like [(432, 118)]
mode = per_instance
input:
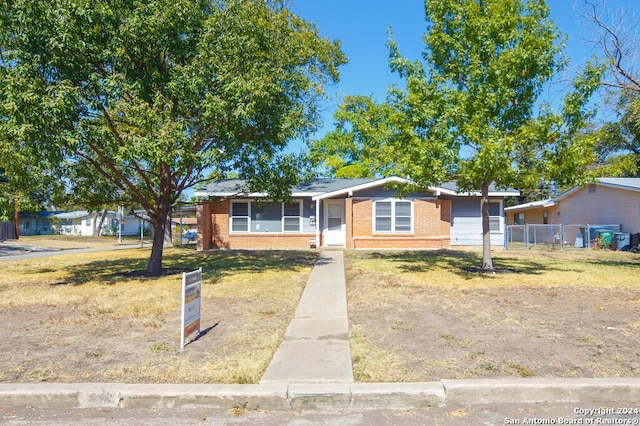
[(191, 291)]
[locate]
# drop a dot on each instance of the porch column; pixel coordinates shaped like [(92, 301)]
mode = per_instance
[(318, 223), (348, 220)]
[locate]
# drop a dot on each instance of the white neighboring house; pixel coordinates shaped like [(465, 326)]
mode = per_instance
[(80, 222)]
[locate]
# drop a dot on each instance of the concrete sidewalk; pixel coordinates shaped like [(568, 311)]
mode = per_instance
[(315, 348)]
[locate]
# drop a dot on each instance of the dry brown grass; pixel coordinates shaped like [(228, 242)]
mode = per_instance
[(418, 316), (80, 318)]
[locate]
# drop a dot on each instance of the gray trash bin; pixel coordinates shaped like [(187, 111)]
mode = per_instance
[(622, 240)]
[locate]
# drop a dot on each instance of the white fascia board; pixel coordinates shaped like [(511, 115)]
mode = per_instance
[(619, 186), (249, 195), (491, 193), (212, 194), (227, 194), (532, 205), (504, 194), (305, 194), (442, 191)]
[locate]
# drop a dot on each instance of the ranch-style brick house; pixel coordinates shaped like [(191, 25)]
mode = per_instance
[(348, 213)]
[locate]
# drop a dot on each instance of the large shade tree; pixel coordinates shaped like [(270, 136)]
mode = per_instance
[(469, 110), (157, 96), (357, 147)]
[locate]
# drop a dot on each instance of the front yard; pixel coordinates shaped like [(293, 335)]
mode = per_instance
[(420, 317), (414, 316), (86, 318)]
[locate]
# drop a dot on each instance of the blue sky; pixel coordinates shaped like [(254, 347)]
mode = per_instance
[(361, 26)]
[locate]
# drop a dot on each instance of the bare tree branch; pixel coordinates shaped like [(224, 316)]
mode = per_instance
[(618, 44)]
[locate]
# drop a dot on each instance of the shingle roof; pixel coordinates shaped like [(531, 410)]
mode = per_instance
[(330, 185), (73, 215), (624, 183), (231, 187), (317, 186)]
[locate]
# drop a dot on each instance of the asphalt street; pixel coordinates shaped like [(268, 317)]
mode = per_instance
[(20, 252), (450, 414)]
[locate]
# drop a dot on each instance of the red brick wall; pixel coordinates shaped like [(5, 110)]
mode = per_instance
[(362, 218), (431, 227), (218, 236), (203, 213), (266, 241)]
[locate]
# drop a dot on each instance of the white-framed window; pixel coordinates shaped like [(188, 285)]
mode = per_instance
[(251, 216), (292, 216), (495, 216), (240, 211), (518, 219), (393, 216)]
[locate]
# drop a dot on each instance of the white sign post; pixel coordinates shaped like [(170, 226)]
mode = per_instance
[(191, 292)]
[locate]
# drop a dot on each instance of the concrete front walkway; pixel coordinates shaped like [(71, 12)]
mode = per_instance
[(315, 348)]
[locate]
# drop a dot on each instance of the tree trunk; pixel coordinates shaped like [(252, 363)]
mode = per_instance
[(158, 224), (487, 261), (97, 226), (168, 237)]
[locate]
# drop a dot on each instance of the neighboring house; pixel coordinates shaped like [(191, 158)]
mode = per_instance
[(350, 213), (75, 223), (39, 223), (612, 201), (185, 216), (81, 223)]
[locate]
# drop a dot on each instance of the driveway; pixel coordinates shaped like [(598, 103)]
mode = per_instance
[(13, 251)]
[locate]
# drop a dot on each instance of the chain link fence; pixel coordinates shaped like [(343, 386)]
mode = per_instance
[(574, 236)]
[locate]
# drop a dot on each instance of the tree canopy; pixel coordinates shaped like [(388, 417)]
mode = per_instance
[(470, 110), (157, 96), (356, 148)]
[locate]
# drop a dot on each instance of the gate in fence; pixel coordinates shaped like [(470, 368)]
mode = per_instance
[(572, 236)]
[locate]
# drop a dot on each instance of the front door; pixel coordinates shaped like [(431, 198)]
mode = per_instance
[(334, 226)]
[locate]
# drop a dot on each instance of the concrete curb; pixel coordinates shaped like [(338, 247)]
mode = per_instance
[(541, 390), (315, 396)]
